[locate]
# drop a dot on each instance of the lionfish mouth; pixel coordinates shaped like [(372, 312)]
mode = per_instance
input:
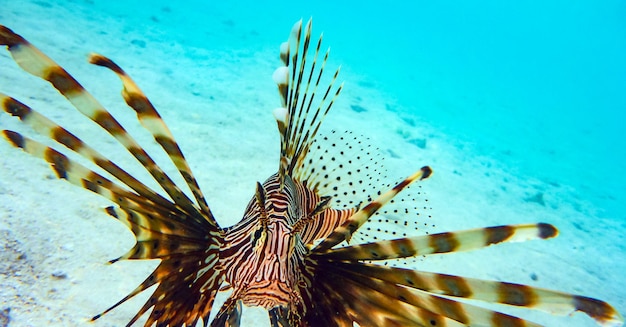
[(326, 266)]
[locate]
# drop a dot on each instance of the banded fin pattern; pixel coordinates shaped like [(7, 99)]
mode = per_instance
[(442, 242), (183, 236), (301, 114), (38, 64), (336, 278), (271, 258), (345, 231), (549, 301), (434, 306), (152, 121), (350, 170), (362, 288), (47, 127), (78, 174)]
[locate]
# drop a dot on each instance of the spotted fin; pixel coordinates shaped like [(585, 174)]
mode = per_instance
[(352, 224), (377, 295)]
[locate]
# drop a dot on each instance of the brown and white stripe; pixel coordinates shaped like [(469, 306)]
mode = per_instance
[(345, 231), (185, 238), (35, 62), (270, 258), (442, 242)]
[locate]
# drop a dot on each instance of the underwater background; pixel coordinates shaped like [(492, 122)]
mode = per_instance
[(519, 107)]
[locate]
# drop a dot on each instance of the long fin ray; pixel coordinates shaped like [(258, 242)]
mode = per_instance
[(442, 242), (345, 231), (38, 64), (373, 308), (170, 305), (331, 286), (81, 176), (297, 122), (46, 127), (464, 313), (152, 121), (553, 302), (184, 237)]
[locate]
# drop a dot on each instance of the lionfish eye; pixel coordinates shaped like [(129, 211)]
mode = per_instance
[(309, 279), (256, 236), (260, 196)]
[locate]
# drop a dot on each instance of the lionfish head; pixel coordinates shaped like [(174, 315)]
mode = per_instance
[(290, 253)]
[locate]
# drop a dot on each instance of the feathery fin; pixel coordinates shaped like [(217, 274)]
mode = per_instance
[(335, 288), (38, 64), (345, 231), (185, 238), (488, 291), (442, 242), (152, 121), (47, 127), (301, 115)]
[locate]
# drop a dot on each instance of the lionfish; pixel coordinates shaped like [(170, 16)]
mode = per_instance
[(289, 253)]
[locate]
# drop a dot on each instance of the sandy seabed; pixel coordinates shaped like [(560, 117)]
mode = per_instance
[(56, 239)]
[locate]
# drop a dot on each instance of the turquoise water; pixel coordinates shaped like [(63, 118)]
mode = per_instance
[(540, 86), (532, 90)]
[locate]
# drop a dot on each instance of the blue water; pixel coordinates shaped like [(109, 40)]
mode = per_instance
[(538, 87)]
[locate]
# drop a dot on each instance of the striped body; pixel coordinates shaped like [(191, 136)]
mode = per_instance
[(299, 251), (263, 264)]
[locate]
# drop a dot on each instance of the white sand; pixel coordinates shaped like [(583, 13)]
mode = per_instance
[(218, 103)]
